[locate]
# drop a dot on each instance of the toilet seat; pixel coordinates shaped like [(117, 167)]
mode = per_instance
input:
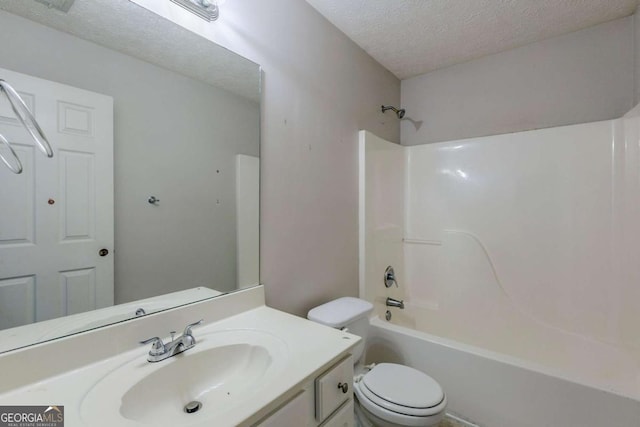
[(400, 394)]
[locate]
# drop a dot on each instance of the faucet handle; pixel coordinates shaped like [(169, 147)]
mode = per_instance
[(157, 346), (390, 277), (187, 330)]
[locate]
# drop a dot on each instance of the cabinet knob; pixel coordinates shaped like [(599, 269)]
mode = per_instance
[(344, 387)]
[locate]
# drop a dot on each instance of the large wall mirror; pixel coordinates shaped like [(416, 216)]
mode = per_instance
[(151, 199)]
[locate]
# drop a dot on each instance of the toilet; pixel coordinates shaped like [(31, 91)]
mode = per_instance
[(387, 394)]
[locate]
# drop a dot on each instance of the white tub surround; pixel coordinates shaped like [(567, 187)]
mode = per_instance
[(524, 245), (108, 368), (381, 215)]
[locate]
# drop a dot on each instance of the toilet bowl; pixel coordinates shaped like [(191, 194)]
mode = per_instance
[(397, 395), (387, 394)]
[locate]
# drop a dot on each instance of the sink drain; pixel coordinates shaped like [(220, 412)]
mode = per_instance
[(192, 407)]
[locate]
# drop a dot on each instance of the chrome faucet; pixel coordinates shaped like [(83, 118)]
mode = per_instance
[(160, 351), (392, 302)]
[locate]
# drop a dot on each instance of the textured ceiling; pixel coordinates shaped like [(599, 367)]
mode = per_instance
[(126, 27), (412, 37)]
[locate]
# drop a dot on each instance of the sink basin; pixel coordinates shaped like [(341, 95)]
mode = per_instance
[(224, 370)]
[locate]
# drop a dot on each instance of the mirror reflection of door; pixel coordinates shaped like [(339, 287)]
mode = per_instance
[(186, 129), (56, 218)]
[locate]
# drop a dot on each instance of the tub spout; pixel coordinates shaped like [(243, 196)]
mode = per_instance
[(392, 302)]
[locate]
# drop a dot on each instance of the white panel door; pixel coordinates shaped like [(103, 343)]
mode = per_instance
[(58, 214)]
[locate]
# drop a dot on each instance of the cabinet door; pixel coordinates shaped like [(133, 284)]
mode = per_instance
[(343, 418), (294, 413)]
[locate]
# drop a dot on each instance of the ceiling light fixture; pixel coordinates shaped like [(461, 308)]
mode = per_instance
[(205, 9)]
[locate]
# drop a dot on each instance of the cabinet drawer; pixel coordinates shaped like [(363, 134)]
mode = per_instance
[(345, 417), (333, 388)]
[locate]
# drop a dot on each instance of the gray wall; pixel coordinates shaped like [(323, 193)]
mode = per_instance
[(580, 77), (320, 88), (172, 135), (636, 54)]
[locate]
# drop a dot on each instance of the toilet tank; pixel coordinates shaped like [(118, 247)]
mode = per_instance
[(347, 313)]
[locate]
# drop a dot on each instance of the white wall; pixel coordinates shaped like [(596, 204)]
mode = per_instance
[(176, 245), (580, 77), (534, 227), (382, 200), (320, 89), (636, 54), (248, 220)]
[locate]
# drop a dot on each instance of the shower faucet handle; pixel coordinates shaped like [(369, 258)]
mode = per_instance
[(390, 277)]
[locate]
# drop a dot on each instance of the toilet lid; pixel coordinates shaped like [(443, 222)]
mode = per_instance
[(403, 386)]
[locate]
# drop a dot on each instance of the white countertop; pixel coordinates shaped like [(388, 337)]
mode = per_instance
[(309, 347)]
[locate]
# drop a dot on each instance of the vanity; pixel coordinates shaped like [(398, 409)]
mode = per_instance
[(251, 366)]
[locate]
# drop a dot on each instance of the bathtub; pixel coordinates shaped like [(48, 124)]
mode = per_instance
[(517, 262), (497, 389)]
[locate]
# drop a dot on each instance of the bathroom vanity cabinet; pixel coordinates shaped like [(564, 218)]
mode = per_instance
[(251, 366), (324, 400)]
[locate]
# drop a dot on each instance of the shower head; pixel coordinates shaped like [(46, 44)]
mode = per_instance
[(399, 112)]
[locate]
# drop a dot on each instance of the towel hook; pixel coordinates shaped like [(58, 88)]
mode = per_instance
[(26, 118), (16, 166)]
